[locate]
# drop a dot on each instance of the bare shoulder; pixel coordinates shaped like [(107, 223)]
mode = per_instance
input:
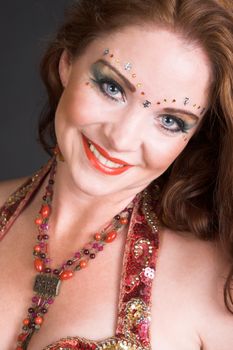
[(8, 187), (188, 293)]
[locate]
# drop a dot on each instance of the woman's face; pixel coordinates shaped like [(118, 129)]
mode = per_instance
[(131, 102)]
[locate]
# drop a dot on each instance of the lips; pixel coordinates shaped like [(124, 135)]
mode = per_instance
[(102, 161)]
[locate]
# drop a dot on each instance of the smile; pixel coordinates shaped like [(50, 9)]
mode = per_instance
[(100, 159)]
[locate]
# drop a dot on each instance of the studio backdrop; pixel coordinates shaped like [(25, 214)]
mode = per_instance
[(25, 29)]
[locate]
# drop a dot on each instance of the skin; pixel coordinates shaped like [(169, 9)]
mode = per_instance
[(124, 128), (189, 277)]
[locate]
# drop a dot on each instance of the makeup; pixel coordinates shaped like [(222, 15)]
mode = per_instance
[(128, 66), (146, 104), (102, 161), (186, 101), (106, 81), (108, 70)]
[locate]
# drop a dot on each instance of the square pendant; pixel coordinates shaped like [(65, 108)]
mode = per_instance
[(47, 285)]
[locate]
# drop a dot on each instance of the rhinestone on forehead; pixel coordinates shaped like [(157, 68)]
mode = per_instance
[(128, 66), (106, 52), (146, 104), (186, 101)]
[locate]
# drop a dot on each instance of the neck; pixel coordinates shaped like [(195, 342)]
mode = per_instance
[(74, 211)]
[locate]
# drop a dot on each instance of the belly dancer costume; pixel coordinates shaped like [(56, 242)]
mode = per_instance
[(133, 320)]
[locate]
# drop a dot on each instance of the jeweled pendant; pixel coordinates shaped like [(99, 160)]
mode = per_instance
[(47, 285)]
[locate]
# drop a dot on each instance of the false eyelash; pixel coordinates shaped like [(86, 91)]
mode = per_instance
[(105, 80), (182, 126)]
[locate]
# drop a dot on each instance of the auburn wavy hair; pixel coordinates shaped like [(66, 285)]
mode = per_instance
[(197, 189)]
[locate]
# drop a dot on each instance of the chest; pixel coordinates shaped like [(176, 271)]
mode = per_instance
[(87, 305)]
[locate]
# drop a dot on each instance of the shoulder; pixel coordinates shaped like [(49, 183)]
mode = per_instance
[(8, 187), (190, 276)]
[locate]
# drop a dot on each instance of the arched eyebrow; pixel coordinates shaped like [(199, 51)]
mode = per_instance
[(182, 111), (129, 85)]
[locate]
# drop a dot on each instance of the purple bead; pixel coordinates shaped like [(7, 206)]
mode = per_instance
[(50, 301), (42, 244), (95, 245), (77, 255), (35, 299), (47, 260), (34, 314), (44, 226), (100, 248)]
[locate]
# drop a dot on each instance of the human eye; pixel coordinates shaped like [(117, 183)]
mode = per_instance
[(110, 88), (173, 124)]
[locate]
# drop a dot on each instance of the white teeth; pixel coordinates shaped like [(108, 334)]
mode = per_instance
[(92, 147), (102, 159)]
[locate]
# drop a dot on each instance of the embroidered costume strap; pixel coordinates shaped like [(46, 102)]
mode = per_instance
[(20, 198), (136, 283)]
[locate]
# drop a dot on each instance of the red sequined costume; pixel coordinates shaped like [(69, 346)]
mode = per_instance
[(133, 324)]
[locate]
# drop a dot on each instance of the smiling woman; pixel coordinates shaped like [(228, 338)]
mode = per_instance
[(139, 128)]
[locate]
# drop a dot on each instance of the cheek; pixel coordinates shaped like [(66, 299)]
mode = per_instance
[(81, 105), (162, 153)]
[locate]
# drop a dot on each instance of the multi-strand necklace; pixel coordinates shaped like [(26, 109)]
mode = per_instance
[(48, 281)]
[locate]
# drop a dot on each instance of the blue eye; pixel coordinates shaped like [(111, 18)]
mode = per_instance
[(173, 124), (110, 89)]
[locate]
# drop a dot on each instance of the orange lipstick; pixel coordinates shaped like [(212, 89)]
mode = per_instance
[(98, 164)]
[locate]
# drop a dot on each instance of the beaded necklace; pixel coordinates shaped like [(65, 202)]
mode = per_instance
[(48, 281)]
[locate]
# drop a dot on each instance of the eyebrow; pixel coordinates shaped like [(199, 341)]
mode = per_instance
[(183, 111), (130, 86)]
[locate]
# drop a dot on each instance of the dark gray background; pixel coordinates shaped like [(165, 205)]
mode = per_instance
[(25, 28)]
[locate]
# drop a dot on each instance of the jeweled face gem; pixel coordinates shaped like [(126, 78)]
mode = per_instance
[(186, 101), (128, 66), (106, 52), (146, 104)]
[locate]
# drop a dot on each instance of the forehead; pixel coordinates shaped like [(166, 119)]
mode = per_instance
[(165, 63)]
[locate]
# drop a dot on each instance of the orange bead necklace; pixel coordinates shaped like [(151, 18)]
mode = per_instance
[(48, 280)]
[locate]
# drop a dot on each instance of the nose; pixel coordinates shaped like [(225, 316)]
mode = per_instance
[(125, 132)]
